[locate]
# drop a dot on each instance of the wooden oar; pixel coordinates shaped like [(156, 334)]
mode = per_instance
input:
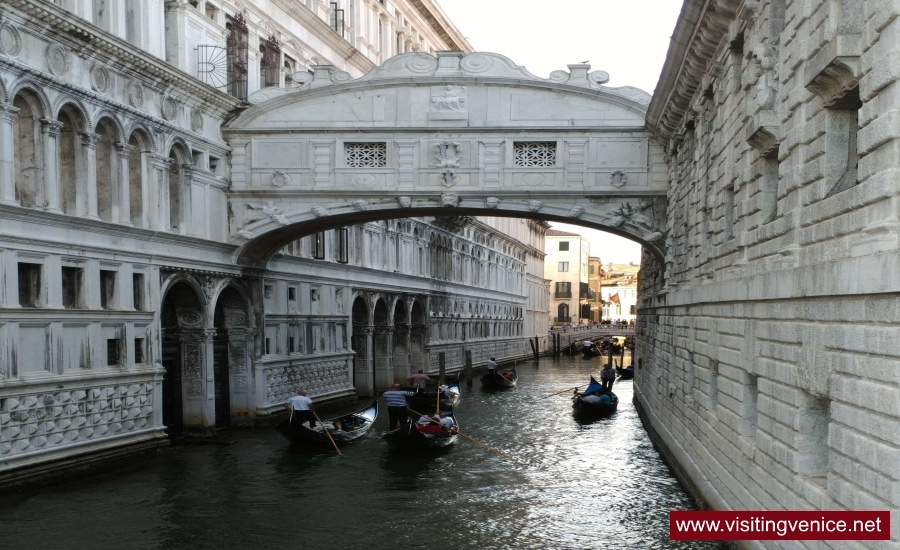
[(557, 393), (456, 430), (324, 429), (437, 405)]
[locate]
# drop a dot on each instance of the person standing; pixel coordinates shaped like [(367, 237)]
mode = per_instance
[(396, 404), (492, 366), (419, 380), (302, 407), (607, 377)]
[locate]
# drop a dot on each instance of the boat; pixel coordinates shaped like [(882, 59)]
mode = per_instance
[(500, 380), (422, 437), (583, 407), (426, 400), (627, 373), (591, 352), (342, 428)]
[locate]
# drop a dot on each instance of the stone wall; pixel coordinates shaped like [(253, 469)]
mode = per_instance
[(767, 356)]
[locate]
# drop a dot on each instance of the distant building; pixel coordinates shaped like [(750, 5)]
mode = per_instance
[(594, 296), (618, 291), (566, 266)]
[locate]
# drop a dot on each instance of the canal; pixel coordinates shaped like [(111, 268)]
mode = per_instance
[(567, 485)]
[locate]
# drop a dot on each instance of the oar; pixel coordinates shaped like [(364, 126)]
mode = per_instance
[(485, 445), (437, 405), (557, 393), (324, 429)]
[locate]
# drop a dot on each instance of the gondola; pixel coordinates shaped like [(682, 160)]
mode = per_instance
[(591, 352), (580, 406), (342, 428), (500, 380), (414, 437), (626, 373), (426, 400)]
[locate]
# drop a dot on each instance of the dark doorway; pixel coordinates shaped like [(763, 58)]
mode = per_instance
[(221, 386)]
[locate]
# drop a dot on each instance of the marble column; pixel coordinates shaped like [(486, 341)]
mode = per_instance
[(50, 132), (7, 155), (88, 183), (122, 209)]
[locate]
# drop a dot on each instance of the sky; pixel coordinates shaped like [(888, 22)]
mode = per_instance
[(626, 38)]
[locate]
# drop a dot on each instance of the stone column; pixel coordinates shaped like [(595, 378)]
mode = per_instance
[(198, 389), (158, 209), (122, 209), (88, 183), (7, 155), (50, 131)]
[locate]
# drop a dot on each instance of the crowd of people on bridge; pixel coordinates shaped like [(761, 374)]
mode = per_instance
[(585, 325)]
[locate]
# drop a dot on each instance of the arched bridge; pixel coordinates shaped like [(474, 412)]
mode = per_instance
[(449, 136)]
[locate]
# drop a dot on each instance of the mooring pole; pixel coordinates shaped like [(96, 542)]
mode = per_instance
[(468, 368), (442, 367)]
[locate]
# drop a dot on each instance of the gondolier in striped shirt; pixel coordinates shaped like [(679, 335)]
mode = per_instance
[(396, 403), (302, 407)]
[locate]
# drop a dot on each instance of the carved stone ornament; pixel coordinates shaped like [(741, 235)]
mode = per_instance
[(209, 286), (405, 202), (100, 79), (534, 206), (451, 99), (360, 205), (280, 179), (618, 178), (364, 180), (449, 179), (491, 202), (10, 40), (244, 234), (271, 211), (447, 154), (135, 94), (576, 212), (319, 211), (196, 120), (169, 108), (449, 199), (58, 59)]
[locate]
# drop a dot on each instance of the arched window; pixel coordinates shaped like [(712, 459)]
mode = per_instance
[(28, 168), (179, 199), (107, 172), (139, 148), (71, 163)]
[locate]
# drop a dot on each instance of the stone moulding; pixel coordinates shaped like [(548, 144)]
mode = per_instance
[(834, 71)]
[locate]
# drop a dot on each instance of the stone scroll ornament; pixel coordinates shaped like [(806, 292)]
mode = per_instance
[(447, 154)]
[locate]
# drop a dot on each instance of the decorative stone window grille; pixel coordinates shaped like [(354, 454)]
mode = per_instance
[(534, 153), (366, 155)]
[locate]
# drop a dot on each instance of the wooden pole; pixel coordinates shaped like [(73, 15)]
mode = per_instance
[(324, 429), (537, 349), (442, 367), (468, 368)]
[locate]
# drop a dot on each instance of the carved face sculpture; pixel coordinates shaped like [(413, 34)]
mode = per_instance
[(449, 199), (405, 202), (534, 206), (491, 202), (319, 211)]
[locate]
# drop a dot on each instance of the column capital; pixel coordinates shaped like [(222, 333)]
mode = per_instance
[(90, 139), (51, 127), (160, 162), (124, 149), (8, 112)]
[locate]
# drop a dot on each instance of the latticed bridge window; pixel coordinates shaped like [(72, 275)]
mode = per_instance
[(366, 155), (535, 153)]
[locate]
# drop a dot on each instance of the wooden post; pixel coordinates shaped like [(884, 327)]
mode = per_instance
[(468, 368), (442, 367), (610, 357), (534, 347), (569, 347)]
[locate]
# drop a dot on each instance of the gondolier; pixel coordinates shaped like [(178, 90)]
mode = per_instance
[(396, 403), (302, 407)]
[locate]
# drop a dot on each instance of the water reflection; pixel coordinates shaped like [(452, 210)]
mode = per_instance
[(570, 483)]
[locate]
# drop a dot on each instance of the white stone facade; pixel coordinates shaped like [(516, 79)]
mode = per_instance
[(768, 357), (122, 309)]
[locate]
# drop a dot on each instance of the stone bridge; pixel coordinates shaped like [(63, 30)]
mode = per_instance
[(448, 136)]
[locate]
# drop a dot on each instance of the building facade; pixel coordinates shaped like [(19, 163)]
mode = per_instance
[(123, 314), (766, 343), (566, 267), (618, 291)]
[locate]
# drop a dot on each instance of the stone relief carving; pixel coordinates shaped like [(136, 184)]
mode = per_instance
[(135, 94), (767, 78), (169, 108), (244, 234), (534, 206), (491, 202), (576, 212), (449, 179), (268, 210), (405, 202), (280, 179), (319, 211), (449, 199), (197, 120), (209, 285), (360, 205), (100, 79), (628, 216), (447, 154), (10, 40), (364, 180), (618, 178), (452, 98), (57, 59)]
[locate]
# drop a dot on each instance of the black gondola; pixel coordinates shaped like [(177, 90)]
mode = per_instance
[(500, 380), (415, 437), (591, 352), (591, 407), (342, 428), (426, 400), (626, 373)]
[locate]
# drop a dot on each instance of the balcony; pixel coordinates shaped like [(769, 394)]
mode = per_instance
[(564, 294), (562, 319)]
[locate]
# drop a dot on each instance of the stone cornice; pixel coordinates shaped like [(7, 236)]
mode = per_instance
[(700, 29), (438, 21), (82, 35)]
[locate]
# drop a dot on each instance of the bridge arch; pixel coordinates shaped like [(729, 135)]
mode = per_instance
[(448, 136)]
